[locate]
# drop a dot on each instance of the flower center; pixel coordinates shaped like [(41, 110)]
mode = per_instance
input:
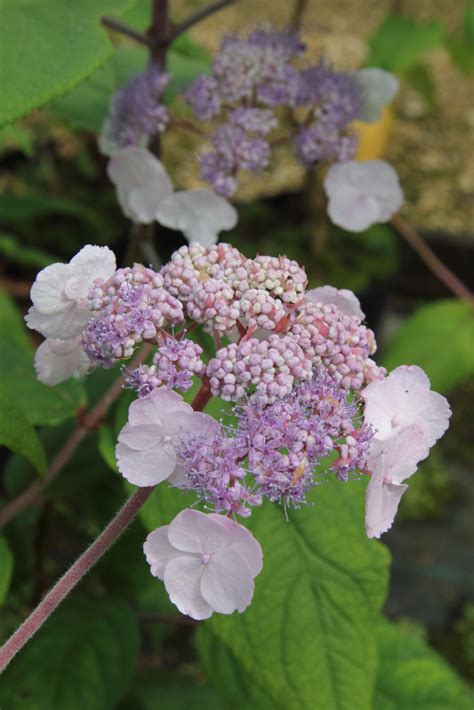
[(206, 557)]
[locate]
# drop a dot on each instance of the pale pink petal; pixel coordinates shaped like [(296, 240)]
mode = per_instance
[(243, 542), (199, 214), (382, 500), (377, 88), (159, 551), (57, 360), (146, 468), (156, 407), (47, 292), (141, 437), (184, 422), (65, 324), (404, 398), (90, 263), (193, 531), (182, 579), (397, 457), (178, 478), (227, 582), (141, 182), (346, 301), (352, 210), (362, 193)]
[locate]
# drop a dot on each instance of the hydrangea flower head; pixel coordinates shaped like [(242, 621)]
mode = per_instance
[(207, 562)]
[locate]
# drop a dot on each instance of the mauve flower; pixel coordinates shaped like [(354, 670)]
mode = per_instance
[(377, 88), (402, 399), (56, 360), (346, 301), (393, 461), (362, 193), (59, 293), (141, 182), (207, 562), (146, 449), (199, 214)]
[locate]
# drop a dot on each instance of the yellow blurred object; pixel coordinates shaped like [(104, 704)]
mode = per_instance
[(373, 137)]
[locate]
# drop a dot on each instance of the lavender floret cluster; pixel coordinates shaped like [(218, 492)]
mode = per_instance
[(136, 111), (252, 79), (277, 451)]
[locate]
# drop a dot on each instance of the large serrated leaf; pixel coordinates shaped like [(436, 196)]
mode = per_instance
[(439, 338), (412, 675), (84, 657), (308, 638), (399, 42), (48, 47), (17, 433)]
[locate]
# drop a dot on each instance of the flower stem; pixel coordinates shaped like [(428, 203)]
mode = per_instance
[(90, 421), (124, 29), (426, 254), (75, 573), (200, 15), (202, 397)]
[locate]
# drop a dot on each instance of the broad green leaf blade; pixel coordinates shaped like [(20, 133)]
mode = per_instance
[(84, 657), (12, 325), (17, 434), (48, 47), (411, 675), (439, 338), (309, 634), (167, 691), (6, 569), (42, 404), (399, 43)]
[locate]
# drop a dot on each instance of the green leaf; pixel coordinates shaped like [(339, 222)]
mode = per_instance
[(48, 47), (468, 23), (411, 675), (461, 53), (12, 325), (42, 404), (163, 505), (19, 209), (83, 657), (18, 253), (168, 691), (310, 630), (17, 434), (227, 674), (86, 106), (106, 445), (421, 79), (399, 42), (439, 337), (6, 568)]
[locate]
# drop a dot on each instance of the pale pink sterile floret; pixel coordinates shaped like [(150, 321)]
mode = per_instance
[(200, 214), (346, 301), (146, 449), (362, 193), (402, 399), (59, 294), (141, 182), (57, 360), (207, 562), (391, 462)]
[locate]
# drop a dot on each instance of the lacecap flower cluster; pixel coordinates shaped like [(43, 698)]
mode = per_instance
[(308, 400)]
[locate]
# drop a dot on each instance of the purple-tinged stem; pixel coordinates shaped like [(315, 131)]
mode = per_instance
[(75, 573)]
